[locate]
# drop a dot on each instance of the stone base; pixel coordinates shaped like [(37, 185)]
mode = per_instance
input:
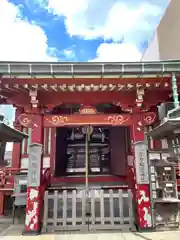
[(141, 230), (31, 233)]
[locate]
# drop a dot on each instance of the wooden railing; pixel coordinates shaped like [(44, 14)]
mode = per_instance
[(101, 209)]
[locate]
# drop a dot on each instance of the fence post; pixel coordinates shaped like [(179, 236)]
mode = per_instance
[(45, 221), (55, 209)]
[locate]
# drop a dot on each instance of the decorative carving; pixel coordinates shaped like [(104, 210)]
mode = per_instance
[(31, 222), (25, 120), (87, 110), (117, 119), (144, 206), (125, 107), (145, 119), (139, 126), (58, 120), (87, 119), (148, 118)]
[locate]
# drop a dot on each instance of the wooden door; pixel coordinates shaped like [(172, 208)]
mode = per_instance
[(118, 151), (61, 151)]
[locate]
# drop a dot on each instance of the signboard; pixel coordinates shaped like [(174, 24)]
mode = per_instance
[(34, 165), (141, 163)]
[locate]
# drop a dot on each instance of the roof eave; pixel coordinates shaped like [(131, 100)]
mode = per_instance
[(9, 134), (165, 129)]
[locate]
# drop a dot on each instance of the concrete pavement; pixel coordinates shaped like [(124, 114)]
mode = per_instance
[(13, 232)]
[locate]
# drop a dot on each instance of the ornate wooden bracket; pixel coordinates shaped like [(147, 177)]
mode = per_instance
[(139, 96), (33, 95)]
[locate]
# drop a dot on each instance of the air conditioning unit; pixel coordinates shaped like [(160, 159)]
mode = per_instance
[(163, 109)]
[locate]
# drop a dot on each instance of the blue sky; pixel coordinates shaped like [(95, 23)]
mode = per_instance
[(76, 30)]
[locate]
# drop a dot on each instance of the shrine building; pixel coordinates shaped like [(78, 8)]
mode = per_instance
[(85, 162)]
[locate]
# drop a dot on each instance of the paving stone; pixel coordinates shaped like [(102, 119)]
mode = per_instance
[(15, 231)]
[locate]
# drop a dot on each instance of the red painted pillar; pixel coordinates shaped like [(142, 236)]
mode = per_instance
[(34, 199), (53, 150), (16, 152), (142, 189), (1, 204), (131, 175)]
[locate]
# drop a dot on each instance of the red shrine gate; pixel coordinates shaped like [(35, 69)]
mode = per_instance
[(38, 89)]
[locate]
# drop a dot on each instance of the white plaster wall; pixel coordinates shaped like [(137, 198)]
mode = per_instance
[(152, 51)]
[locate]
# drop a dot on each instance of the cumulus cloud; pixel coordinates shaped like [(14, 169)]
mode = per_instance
[(69, 54), (111, 20), (20, 40), (116, 52)]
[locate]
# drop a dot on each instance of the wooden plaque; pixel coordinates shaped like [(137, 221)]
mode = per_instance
[(34, 165), (141, 163)]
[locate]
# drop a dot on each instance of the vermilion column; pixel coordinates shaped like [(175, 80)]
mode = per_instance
[(53, 149), (142, 189), (34, 200), (16, 153)]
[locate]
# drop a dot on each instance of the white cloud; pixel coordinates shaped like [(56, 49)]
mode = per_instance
[(20, 40), (132, 21), (69, 54), (116, 52), (108, 19)]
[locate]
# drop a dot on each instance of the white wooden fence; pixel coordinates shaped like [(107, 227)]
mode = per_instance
[(99, 209)]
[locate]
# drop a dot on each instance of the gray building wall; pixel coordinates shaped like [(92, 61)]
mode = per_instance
[(152, 52), (165, 44)]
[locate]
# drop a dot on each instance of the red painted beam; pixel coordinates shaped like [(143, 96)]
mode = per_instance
[(124, 97), (95, 179), (50, 120), (78, 120), (86, 97)]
